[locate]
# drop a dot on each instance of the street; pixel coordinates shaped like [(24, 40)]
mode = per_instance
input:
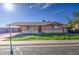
[(41, 50)]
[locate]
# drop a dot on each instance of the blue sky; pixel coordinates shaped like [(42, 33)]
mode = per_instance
[(37, 12)]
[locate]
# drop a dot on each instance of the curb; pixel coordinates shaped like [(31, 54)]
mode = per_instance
[(39, 44)]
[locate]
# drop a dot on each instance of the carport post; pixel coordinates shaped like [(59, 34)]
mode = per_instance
[(11, 50)]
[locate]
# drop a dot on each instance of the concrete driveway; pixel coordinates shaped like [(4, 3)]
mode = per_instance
[(5, 35)]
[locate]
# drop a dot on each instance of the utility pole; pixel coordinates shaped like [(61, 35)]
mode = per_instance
[(11, 50)]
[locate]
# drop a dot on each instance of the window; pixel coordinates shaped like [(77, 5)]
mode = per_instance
[(30, 28), (55, 27)]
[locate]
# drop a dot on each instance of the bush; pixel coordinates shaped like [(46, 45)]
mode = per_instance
[(70, 31), (48, 37), (77, 30)]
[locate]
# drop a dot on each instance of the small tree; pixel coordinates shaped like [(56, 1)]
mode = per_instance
[(75, 14), (72, 22), (77, 30)]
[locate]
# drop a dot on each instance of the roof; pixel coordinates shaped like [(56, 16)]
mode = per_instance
[(33, 23), (57, 23)]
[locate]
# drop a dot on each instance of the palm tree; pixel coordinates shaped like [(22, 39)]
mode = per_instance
[(70, 23), (76, 14)]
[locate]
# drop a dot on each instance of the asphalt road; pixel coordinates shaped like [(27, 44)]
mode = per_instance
[(41, 50)]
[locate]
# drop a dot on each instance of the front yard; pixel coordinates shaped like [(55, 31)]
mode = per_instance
[(47, 37)]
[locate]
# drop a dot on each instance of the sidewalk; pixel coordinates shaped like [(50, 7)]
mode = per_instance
[(41, 42)]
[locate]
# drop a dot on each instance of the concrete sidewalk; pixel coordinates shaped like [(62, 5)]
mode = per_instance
[(41, 42)]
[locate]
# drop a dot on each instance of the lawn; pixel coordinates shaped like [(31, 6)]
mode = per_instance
[(47, 37)]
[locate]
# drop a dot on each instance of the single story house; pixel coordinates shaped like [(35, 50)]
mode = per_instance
[(38, 27)]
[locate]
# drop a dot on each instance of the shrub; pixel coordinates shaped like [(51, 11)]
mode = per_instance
[(77, 30)]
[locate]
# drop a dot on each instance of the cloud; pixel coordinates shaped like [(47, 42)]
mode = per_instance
[(58, 11), (45, 6), (30, 6), (40, 5)]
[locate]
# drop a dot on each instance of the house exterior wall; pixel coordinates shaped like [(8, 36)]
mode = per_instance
[(25, 29), (51, 29), (44, 29)]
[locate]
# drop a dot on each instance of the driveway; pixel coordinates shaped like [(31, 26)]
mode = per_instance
[(5, 35)]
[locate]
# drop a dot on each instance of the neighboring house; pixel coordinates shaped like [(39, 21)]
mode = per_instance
[(38, 27), (7, 29)]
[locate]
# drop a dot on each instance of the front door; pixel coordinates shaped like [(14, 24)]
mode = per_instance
[(39, 28), (30, 28)]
